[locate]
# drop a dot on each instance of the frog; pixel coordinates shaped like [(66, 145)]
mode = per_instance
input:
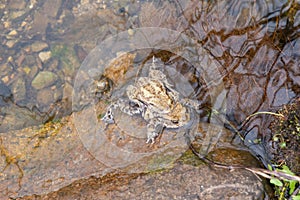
[(155, 99)]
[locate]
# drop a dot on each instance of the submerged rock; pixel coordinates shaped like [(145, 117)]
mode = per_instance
[(38, 46), (5, 93), (181, 182), (44, 79), (45, 55), (19, 89), (52, 158)]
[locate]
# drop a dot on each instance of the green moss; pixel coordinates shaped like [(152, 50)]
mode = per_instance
[(160, 163), (190, 158), (50, 129), (67, 57)]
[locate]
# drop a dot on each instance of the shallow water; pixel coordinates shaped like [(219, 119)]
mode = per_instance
[(246, 54)]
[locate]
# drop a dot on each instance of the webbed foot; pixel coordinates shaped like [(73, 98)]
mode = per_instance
[(108, 118), (153, 130), (151, 138)]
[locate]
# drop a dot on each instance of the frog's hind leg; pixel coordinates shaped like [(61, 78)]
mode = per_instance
[(153, 130)]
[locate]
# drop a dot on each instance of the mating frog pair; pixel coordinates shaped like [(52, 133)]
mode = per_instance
[(158, 103)]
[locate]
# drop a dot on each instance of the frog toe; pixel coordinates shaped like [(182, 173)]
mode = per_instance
[(151, 138), (108, 118), (150, 141)]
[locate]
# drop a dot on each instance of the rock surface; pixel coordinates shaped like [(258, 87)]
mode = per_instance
[(39, 160), (181, 182)]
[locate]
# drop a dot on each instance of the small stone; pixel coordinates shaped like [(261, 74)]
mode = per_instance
[(16, 14), (85, 2), (13, 33), (5, 79), (10, 43), (45, 96), (44, 79), (2, 5), (38, 46), (6, 69), (26, 69), (7, 24), (27, 49), (19, 89), (17, 4), (45, 55), (23, 24), (10, 59), (130, 32), (67, 91)]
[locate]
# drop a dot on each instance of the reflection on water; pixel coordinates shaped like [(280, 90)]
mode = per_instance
[(43, 44)]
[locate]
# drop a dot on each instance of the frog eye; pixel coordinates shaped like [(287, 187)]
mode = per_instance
[(133, 104)]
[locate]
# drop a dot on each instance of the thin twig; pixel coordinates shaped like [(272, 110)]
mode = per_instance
[(258, 171)]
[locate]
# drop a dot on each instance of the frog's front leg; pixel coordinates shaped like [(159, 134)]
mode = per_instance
[(195, 104), (124, 107), (132, 109), (154, 128), (108, 117)]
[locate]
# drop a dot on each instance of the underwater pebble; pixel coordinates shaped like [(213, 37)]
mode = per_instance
[(38, 46), (13, 33), (45, 55), (44, 79), (19, 89), (131, 32), (10, 43), (17, 4), (6, 24)]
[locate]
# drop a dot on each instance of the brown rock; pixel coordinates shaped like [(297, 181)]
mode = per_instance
[(17, 4), (38, 46)]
